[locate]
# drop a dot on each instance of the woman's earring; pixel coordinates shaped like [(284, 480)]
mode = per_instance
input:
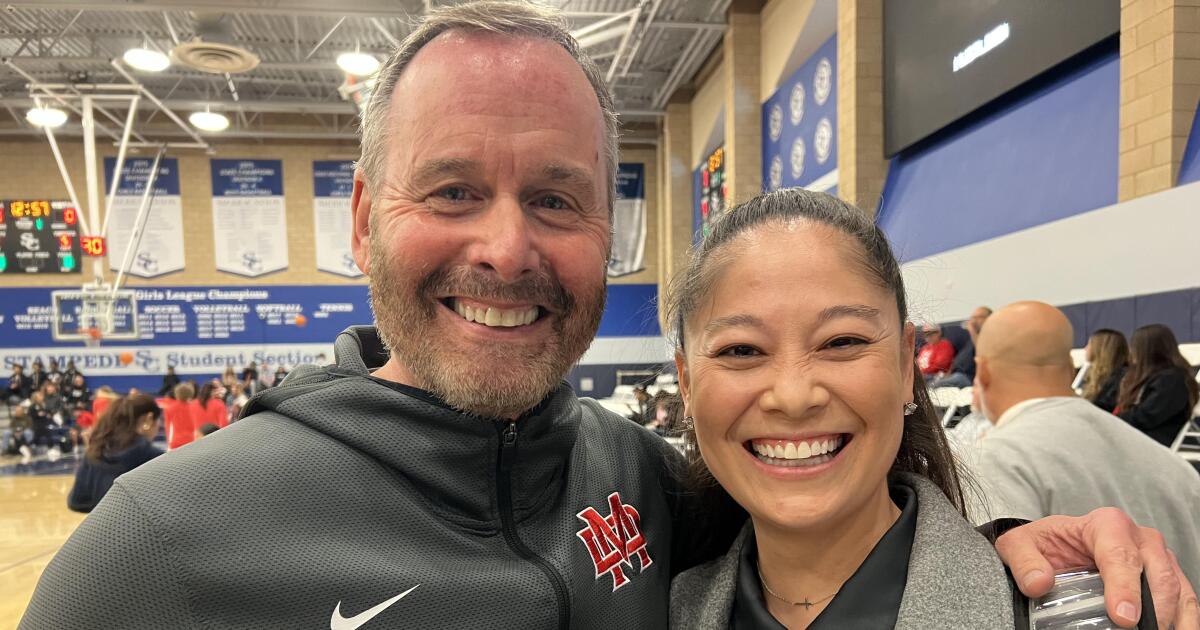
[(910, 408), (689, 423)]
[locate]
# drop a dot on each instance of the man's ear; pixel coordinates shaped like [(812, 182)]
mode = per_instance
[(983, 372), (360, 213)]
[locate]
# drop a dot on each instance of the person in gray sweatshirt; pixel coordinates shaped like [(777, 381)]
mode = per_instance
[(1053, 452), (441, 474)]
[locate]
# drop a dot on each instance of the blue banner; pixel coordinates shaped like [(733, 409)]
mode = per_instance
[(333, 178), (201, 329), (800, 126), (631, 181), (247, 178), (135, 172)]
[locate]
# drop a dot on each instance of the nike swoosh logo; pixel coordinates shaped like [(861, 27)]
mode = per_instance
[(338, 622)]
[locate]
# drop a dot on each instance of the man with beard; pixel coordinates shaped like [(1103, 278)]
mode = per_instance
[(440, 474)]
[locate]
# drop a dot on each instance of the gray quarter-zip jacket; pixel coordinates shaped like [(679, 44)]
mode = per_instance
[(342, 501)]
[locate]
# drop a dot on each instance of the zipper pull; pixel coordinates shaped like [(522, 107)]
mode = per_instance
[(510, 434)]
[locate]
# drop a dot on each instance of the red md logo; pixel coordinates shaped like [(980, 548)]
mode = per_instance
[(612, 540)]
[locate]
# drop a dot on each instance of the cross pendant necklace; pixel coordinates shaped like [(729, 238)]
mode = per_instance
[(806, 604)]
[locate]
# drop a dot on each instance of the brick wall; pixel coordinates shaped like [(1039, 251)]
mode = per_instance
[(1160, 86), (27, 169)]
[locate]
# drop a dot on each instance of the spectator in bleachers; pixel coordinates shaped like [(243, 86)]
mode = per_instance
[(18, 385), (237, 400), (962, 370), (53, 401), (71, 370), (170, 380), (37, 375), (119, 443), (212, 404), (1107, 357), (1052, 452), (668, 412), (229, 379), (76, 392), (19, 436), (1159, 391), (182, 416), (936, 356), (250, 377), (280, 374), (55, 375)]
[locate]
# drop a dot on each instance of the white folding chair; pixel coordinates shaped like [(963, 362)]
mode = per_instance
[(1189, 431)]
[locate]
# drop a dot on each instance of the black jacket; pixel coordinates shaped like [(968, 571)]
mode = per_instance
[(964, 361), (93, 479), (1106, 398), (339, 492), (1163, 406)]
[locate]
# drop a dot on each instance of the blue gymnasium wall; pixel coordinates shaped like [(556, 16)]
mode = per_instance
[(1019, 202), (1046, 153), (1189, 171), (798, 119), (199, 329), (1179, 310)]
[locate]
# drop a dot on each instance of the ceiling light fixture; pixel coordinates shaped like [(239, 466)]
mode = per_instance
[(358, 63), (146, 59), (46, 117), (209, 121)]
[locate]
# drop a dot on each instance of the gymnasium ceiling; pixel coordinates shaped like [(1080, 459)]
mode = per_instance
[(647, 49)]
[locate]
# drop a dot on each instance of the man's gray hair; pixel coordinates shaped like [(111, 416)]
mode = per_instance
[(519, 19)]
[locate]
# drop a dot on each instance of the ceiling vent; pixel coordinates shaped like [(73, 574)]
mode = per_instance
[(213, 50)]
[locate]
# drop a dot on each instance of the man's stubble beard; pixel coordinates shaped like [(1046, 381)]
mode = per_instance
[(513, 379)]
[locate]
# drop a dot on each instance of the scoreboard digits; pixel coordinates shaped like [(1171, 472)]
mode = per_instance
[(40, 236)]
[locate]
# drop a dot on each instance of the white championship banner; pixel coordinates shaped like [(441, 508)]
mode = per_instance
[(249, 216)]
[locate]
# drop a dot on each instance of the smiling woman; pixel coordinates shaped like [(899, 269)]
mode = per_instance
[(796, 367)]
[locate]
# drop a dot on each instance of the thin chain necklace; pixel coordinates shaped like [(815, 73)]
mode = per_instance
[(806, 604)]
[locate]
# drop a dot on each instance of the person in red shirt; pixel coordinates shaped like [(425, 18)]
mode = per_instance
[(182, 415), (104, 397), (212, 404), (936, 355)]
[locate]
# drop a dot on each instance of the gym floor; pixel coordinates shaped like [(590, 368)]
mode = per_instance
[(34, 523)]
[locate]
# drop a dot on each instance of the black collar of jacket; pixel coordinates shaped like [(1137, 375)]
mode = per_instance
[(446, 456)]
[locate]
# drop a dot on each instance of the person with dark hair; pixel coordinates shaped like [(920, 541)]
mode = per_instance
[(1053, 452), (71, 370), (55, 375), (797, 373), (442, 473), (1159, 392), (119, 442), (250, 377), (76, 392), (18, 385), (208, 428), (37, 375), (1107, 357), (169, 381), (212, 404)]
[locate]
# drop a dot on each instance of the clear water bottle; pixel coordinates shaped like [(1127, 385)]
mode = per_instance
[(1077, 603)]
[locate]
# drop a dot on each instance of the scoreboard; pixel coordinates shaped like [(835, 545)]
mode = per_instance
[(39, 236)]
